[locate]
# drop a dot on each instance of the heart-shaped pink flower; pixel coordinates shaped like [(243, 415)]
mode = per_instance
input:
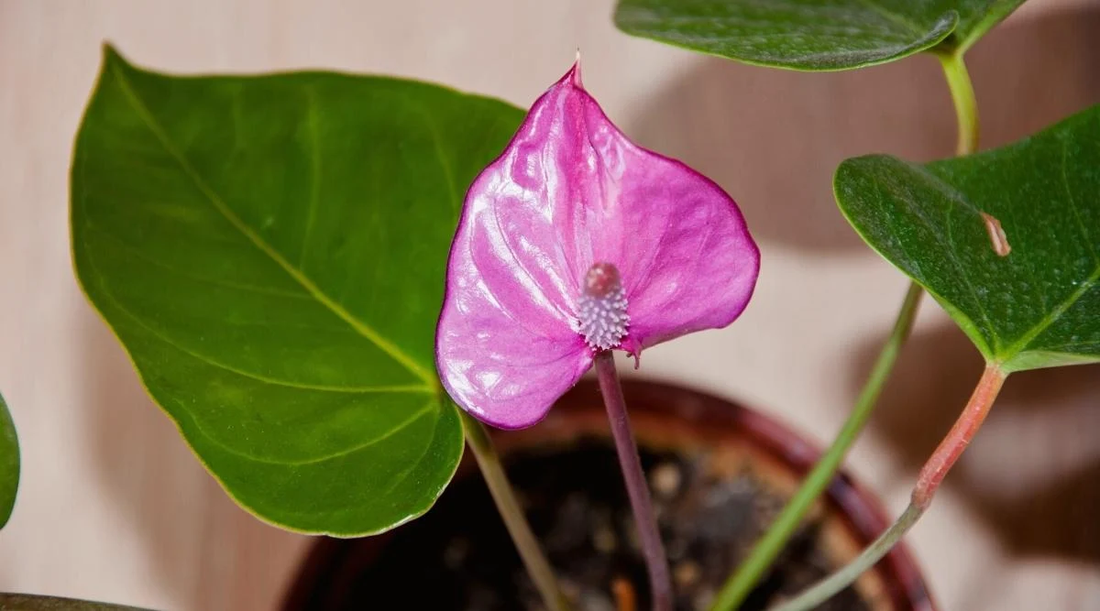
[(577, 240)]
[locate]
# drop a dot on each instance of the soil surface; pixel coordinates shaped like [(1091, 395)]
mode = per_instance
[(459, 556)]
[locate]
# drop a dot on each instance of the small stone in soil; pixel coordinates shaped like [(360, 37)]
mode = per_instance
[(686, 574), (665, 479)]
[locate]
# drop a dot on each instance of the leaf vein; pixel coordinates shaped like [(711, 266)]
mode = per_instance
[(241, 372), (954, 198), (896, 18), (1053, 315), (315, 171), (444, 162), (1073, 203), (215, 200), (139, 254), (404, 424)]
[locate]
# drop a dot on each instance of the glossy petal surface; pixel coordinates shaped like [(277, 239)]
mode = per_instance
[(571, 191)]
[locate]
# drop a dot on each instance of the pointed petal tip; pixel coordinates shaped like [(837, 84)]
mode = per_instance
[(574, 75)]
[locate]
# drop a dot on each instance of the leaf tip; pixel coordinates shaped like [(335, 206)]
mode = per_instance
[(110, 53), (112, 57)]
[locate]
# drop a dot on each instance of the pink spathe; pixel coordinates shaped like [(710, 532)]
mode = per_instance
[(570, 192)]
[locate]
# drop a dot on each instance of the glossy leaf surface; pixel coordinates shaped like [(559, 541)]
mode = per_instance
[(270, 250), (9, 463), (815, 35), (1028, 297)]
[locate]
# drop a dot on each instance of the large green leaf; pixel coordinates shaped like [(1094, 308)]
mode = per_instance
[(9, 463), (813, 35), (1039, 304), (270, 250)]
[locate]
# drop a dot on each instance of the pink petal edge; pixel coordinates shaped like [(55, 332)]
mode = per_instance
[(568, 191)]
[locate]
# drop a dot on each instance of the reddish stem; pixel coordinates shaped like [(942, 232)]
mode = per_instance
[(931, 475), (958, 438), (660, 582)]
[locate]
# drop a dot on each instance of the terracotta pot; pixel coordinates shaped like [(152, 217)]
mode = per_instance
[(667, 417)]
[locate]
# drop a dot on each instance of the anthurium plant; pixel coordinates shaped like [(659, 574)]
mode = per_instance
[(333, 283)]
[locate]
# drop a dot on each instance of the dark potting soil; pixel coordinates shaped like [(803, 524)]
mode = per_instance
[(460, 557)]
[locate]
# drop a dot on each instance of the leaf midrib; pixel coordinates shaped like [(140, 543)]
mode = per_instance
[(386, 346), (1003, 354), (953, 198), (993, 14), (896, 18), (314, 460), (1020, 345), (1053, 314), (428, 408), (413, 389)]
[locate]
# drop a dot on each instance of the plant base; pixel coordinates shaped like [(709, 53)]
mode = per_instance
[(715, 489)]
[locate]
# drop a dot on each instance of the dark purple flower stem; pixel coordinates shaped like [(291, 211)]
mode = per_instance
[(636, 488)]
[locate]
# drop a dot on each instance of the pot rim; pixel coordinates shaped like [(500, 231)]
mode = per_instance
[(670, 415)]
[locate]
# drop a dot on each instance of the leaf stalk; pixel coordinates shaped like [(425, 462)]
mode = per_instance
[(538, 567), (928, 482), (767, 549), (738, 587), (962, 94)]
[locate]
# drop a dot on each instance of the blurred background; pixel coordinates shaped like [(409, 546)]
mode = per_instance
[(113, 506)]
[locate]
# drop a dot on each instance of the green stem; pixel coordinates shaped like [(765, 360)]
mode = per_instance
[(962, 94), (839, 580), (538, 567), (966, 111), (737, 588), (928, 482), (765, 551)]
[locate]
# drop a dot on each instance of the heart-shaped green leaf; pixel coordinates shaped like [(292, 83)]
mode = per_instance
[(816, 35), (270, 250), (9, 463), (1028, 297)]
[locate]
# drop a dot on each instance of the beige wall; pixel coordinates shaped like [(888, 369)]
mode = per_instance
[(114, 507)]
